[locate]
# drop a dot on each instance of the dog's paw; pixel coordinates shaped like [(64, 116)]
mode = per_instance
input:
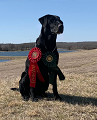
[(25, 98), (34, 99)]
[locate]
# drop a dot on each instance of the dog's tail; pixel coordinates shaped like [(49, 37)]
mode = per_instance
[(15, 89)]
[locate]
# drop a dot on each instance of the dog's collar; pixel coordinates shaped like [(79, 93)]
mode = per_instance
[(46, 48), (54, 49)]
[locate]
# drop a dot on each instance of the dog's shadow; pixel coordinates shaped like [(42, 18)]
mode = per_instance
[(75, 99)]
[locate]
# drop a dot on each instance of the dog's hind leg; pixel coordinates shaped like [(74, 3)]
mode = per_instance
[(24, 92), (24, 86)]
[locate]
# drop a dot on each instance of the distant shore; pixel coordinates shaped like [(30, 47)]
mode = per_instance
[(64, 45)]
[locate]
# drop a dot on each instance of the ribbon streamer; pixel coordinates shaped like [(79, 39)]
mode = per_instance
[(34, 56)]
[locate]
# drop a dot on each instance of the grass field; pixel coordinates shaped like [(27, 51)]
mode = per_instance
[(78, 90)]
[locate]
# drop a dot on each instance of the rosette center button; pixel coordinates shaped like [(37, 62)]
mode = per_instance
[(49, 58), (34, 54)]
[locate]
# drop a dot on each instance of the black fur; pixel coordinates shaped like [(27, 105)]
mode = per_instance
[(51, 26)]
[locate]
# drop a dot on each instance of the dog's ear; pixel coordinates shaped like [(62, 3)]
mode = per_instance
[(44, 20)]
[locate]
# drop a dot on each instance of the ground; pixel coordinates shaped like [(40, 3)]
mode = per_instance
[(78, 90)]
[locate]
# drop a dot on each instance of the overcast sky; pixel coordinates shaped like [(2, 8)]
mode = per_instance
[(19, 19)]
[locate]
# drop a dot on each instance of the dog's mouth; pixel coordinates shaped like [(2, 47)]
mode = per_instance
[(60, 32), (56, 32), (60, 29)]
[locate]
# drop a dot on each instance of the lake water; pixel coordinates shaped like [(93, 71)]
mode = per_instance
[(24, 53), (14, 53), (4, 60)]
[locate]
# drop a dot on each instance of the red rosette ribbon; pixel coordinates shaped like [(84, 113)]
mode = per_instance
[(34, 56)]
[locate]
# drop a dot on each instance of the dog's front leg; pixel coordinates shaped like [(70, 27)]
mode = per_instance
[(33, 95), (55, 91)]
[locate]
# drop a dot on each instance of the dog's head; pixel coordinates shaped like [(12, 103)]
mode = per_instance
[(52, 21)]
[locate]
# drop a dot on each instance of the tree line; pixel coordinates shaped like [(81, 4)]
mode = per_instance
[(64, 45), (16, 47), (77, 45)]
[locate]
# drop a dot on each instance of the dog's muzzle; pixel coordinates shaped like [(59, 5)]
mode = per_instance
[(60, 29)]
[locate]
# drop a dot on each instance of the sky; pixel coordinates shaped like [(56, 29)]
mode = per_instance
[(19, 19)]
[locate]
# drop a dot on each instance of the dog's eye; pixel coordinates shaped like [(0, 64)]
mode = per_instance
[(52, 20)]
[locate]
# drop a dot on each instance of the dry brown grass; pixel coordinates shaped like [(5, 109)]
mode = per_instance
[(79, 91)]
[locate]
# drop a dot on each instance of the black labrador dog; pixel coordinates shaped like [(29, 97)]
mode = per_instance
[(51, 26)]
